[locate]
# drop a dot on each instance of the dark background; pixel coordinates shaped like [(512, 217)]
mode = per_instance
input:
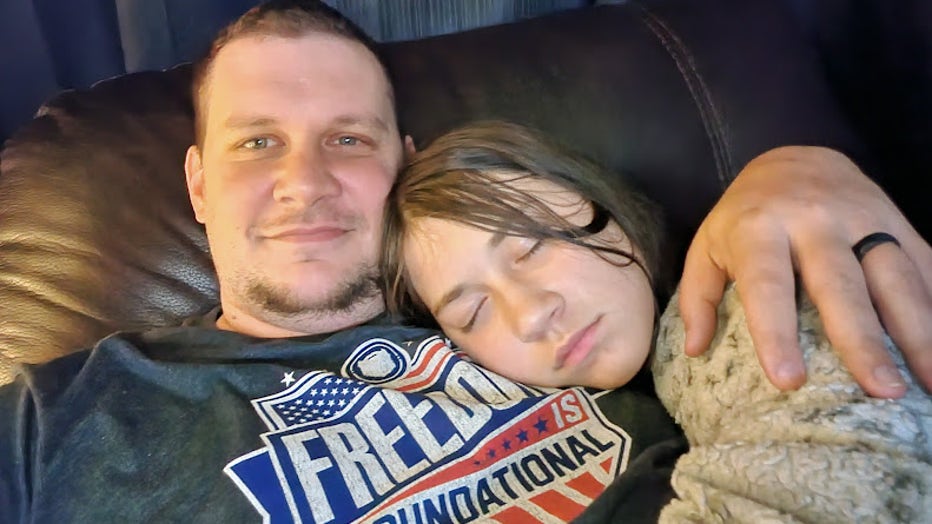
[(877, 54)]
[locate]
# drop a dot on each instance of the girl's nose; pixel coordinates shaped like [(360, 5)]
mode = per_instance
[(533, 311)]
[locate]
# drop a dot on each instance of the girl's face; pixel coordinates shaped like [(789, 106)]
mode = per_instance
[(547, 313)]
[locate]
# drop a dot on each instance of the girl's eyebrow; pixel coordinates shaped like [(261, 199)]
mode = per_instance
[(448, 297), (494, 241)]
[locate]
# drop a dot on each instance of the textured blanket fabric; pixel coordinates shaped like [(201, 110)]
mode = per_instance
[(825, 453)]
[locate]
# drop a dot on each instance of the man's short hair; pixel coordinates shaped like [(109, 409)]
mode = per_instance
[(281, 18)]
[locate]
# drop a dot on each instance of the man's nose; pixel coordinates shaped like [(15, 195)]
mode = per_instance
[(533, 311), (304, 177)]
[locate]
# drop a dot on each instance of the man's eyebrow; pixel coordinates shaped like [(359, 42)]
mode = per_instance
[(458, 290), (246, 121), (373, 121)]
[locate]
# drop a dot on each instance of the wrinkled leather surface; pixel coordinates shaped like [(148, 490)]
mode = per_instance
[(96, 231)]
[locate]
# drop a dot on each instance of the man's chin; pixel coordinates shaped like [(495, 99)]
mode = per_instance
[(314, 298)]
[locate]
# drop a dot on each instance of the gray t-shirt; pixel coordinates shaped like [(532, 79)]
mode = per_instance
[(380, 423)]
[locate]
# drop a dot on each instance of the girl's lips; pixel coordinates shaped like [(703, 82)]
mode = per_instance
[(578, 346)]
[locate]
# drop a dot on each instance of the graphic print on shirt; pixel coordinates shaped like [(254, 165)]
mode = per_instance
[(425, 437)]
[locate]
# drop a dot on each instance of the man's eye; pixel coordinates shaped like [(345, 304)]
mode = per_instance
[(257, 143)]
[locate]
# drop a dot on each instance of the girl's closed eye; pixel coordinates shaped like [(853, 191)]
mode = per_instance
[(535, 246), (463, 313), (475, 315)]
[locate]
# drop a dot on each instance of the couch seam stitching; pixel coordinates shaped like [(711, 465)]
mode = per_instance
[(701, 95)]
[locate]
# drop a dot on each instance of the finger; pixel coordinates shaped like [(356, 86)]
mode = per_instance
[(701, 289), (920, 253), (904, 303), (765, 287), (835, 282)]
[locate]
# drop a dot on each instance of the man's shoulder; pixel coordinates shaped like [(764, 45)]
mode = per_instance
[(50, 378)]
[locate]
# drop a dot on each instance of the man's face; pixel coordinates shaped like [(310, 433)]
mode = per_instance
[(300, 150)]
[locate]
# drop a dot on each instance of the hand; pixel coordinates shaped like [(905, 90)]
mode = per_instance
[(803, 208)]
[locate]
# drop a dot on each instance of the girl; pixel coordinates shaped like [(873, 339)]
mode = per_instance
[(484, 236), (544, 268)]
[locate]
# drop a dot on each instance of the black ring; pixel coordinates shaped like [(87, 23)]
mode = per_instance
[(871, 241)]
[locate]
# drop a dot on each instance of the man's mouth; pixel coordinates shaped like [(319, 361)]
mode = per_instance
[(304, 234)]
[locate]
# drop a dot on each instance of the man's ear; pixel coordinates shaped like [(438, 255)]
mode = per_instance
[(409, 147), (194, 176)]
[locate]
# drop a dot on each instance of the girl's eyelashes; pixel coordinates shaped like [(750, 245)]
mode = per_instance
[(527, 248), (535, 247), (475, 314)]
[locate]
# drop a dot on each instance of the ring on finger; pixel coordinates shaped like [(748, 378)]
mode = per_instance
[(870, 242)]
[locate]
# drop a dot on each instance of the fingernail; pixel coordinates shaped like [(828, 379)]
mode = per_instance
[(889, 376), (789, 373)]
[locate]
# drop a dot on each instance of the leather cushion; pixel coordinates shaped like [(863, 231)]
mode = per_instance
[(96, 231)]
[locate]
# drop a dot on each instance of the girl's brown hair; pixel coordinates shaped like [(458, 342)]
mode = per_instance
[(459, 178)]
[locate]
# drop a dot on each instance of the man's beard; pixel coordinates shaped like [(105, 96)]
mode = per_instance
[(349, 293)]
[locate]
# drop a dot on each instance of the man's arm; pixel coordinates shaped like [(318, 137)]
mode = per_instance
[(802, 209)]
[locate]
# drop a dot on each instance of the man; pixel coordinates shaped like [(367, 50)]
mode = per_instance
[(298, 390)]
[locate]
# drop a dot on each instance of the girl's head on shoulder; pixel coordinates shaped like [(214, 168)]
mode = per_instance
[(535, 261)]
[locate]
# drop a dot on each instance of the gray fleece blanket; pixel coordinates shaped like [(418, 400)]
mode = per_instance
[(825, 453)]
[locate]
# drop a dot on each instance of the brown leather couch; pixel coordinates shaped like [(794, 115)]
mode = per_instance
[(96, 232)]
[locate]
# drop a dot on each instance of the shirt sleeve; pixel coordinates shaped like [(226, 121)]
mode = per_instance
[(638, 494), (17, 434)]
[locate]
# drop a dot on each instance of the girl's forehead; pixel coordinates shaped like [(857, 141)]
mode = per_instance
[(438, 236), (441, 253), (518, 193)]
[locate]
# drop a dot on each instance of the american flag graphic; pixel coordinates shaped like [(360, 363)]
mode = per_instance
[(317, 396)]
